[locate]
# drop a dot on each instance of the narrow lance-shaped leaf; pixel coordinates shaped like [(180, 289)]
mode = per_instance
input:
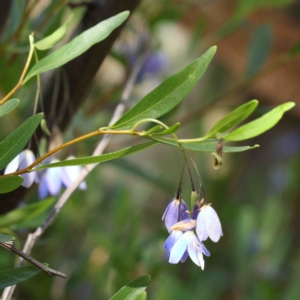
[(152, 130), (233, 118), (6, 238), (100, 158), (17, 140), (14, 276), (77, 46), (8, 106), (259, 125), (170, 130), (259, 49), (45, 127), (206, 146), (55, 37), (131, 290), (10, 183), (168, 94)]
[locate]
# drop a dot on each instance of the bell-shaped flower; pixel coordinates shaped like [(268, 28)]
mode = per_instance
[(70, 174), (175, 211), (50, 182), (21, 161), (208, 224), (170, 242), (189, 242)]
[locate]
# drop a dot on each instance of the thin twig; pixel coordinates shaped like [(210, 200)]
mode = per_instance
[(33, 237), (50, 272), (19, 84)]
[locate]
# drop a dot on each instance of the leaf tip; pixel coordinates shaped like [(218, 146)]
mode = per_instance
[(214, 49), (289, 105)]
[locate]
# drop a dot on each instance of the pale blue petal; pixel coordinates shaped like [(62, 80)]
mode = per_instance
[(166, 210), (171, 240), (213, 224), (53, 179), (13, 166), (193, 251), (83, 185), (43, 188), (204, 250), (201, 226), (178, 249), (184, 211), (70, 174), (171, 213), (27, 160), (184, 257)]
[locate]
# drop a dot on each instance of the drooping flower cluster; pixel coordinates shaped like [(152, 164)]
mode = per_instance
[(51, 180), (183, 241)]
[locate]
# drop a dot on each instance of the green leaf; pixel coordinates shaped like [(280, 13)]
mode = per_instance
[(207, 146), (77, 46), (14, 276), (131, 290), (259, 125), (152, 130), (168, 94), (10, 183), (233, 118), (170, 130), (19, 216), (8, 106), (6, 238), (49, 41), (45, 127), (141, 296), (259, 49), (17, 140), (101, 158)]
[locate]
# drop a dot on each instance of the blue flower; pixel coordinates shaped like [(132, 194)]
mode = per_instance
[(170, 242), (53, 179), (208, 224), (70, 174), (175, 212), (21, 161), (50, 182), (188, 242)]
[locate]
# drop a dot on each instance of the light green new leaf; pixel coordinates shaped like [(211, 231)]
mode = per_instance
[(45, 127), (25, 214), (141, 296), (17, 140), (168, 94), (131, 290), (259, 49), (259, 125), (14, 276), (10, 183), (152, 130), (8, 106), (207, 146), (77, 46), (49, 41), (170, 130), (100, 158), (233, 118), (6, 238)]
